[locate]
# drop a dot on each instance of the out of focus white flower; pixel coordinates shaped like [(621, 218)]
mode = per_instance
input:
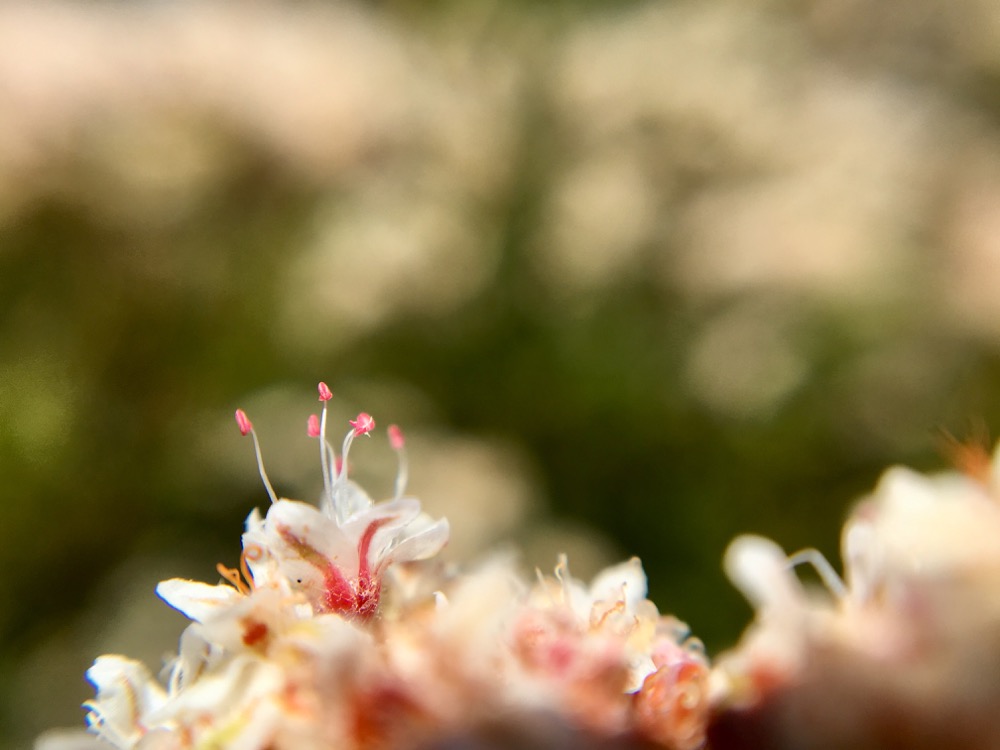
[(908, 638), (125, 691)]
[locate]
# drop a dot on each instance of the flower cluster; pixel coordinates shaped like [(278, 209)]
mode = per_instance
[(326, 637), (896, 651), (329, 635)]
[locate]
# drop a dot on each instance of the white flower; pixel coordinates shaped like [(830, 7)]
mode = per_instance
[(906, 639), (339, 565), (303, 570), (614, 637), (337, 554), (126, 694), (294, 651)]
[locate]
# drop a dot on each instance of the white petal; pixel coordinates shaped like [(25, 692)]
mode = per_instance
[(422, 545), (609, 583), (313, 529), (758, 568), (397, 519), (197, 600), (401, 511), (348, 500), (68, 739), (126, 693), (223, 693), (254, 522)]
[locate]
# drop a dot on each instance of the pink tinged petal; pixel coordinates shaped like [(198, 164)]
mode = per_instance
[(198, 601), (672, 706), (369, 584), (363, 424), (421, 545), (396, 439), (402, 512), (314, 528), (325, 394), (337, 595), (312, 426), (364, 547), (358, 598), (245, 425)]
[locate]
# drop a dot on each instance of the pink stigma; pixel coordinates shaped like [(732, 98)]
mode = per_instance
[(312, 426), (246, 426), (325, 394), (396, 439), (362, 424)]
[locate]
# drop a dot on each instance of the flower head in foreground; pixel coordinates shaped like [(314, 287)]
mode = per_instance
[(298, 648)]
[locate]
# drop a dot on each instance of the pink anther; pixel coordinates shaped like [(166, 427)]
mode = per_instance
[(312, 426), (325, 394), (246, 426), (396, 439), (362, 424)]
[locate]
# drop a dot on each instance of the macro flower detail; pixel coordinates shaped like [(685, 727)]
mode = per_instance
[(125, 692), (338, 553), (615, 664), (296, 647)]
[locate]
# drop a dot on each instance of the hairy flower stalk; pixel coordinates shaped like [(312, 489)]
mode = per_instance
[(298, 647)]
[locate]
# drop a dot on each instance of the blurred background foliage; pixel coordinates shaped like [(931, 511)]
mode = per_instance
[(635, 277)]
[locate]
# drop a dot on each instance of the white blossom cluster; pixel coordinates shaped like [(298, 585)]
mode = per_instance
[(902, 651), (329, 635), (335, 631)]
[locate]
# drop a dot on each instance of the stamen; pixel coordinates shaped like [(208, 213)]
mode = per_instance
[(396, 439), (253, 553), (970, 456), (312, 426), (246, 426), (616, 609), (325, 450), (398, 443), (822, 566), (233, 577), (362, 424)]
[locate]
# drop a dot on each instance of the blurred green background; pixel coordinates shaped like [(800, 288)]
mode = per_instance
[(634, 276)]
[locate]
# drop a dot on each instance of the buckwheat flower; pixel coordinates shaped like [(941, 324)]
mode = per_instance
[(294, 650), (607, 640), (126, 695), (337, 554), (895, 651), (588, 655)]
